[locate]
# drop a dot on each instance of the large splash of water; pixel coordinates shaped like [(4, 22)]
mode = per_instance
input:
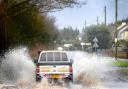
[(18, 72), (18, 69), (89, 69), (17, 66)]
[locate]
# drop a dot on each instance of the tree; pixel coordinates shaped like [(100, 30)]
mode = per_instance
[(30, 27), (14, 13), (3, 28), (102, 33), (67, 35), (14, 6)]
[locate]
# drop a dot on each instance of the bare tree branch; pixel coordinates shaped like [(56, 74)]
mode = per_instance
[(44, 6)]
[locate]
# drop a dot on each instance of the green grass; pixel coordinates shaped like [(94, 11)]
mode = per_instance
[(120, 63)]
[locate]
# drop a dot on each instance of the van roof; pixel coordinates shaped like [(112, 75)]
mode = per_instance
[(53, 51)]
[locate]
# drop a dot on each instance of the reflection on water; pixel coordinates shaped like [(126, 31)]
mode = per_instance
[(90, 71)]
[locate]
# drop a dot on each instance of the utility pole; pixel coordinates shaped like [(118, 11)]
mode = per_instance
[(86, 31), (105, 15), (116, 33), (97, 20)]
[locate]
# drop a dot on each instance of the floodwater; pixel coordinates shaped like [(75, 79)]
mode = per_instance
[(90, 72)]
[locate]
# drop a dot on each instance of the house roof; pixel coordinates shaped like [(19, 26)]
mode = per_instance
[(122, 28), (126, 29)]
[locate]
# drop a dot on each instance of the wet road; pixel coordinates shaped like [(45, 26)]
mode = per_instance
[(90, 72)]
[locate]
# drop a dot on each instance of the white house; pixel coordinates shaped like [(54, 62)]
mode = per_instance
[(123, 32)]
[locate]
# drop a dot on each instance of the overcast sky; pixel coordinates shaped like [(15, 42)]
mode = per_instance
[(76, 17)]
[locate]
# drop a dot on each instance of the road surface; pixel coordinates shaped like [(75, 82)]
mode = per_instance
[(90, 72)]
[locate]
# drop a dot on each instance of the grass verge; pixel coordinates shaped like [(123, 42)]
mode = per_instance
[(120, 63)]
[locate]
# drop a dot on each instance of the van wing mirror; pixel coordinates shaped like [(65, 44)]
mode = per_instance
[(39, 52), (35, 61), (71, 60)]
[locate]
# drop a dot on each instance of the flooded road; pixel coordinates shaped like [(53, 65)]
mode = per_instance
[(90, 72)]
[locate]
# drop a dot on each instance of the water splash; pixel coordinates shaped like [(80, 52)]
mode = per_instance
[(18, 72), (17, 66), (18, 69), (89, 69)]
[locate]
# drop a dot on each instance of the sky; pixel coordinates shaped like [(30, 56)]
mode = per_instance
[(76, 17)]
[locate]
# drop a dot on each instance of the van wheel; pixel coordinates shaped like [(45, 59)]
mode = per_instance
[(67, 80), (38, 79)]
